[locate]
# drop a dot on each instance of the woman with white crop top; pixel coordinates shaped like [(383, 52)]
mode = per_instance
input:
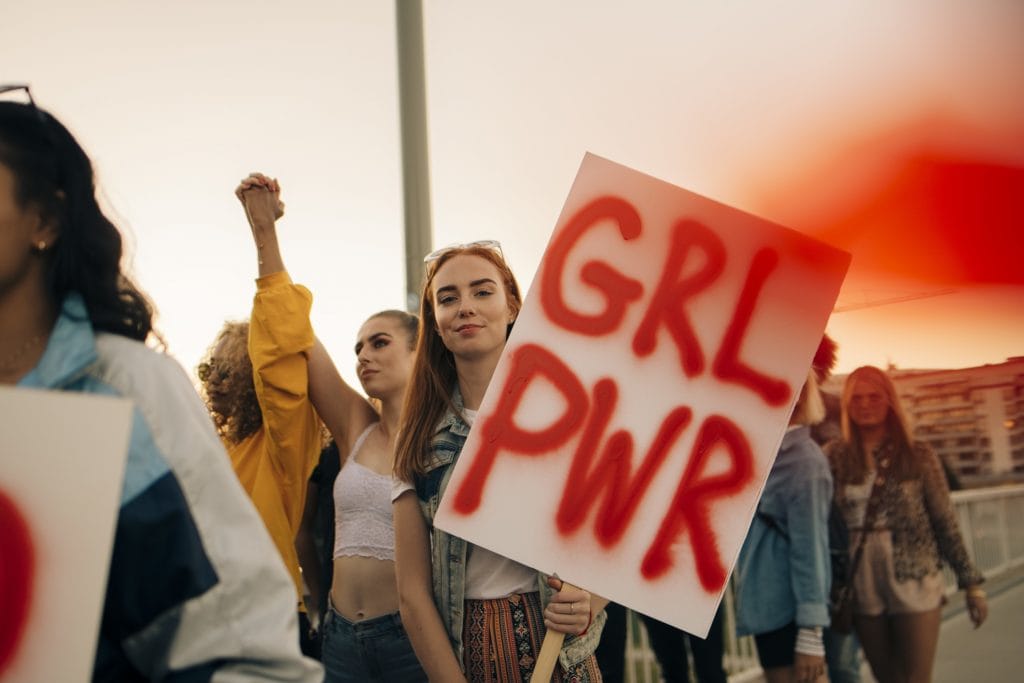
[(363, 637)]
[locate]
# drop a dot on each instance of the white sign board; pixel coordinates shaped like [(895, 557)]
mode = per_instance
[(62, 459), (633, 418)]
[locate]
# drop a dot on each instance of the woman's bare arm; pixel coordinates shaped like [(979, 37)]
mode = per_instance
[(345, 412), (416, 594)]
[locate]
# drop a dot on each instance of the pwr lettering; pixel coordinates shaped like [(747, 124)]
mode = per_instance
[(605, 466)]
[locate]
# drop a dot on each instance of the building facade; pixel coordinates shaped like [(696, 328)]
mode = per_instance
[(972, 417)]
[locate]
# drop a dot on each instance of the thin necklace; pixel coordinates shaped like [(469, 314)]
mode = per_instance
[(11, 362)]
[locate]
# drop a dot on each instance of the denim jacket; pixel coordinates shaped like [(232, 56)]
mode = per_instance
[(783, 580), (449, 553)]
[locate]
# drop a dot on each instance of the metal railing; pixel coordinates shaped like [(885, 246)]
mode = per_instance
[(991, 521), (992, 524)]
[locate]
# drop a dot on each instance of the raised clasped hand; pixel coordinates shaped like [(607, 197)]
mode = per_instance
[(260, 196)]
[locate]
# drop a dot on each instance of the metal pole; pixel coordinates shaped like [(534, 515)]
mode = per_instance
[(412, 105)]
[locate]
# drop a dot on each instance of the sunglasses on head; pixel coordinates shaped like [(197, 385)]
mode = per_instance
[(15, 87), (493, 245), (30, 102), (23, 87)]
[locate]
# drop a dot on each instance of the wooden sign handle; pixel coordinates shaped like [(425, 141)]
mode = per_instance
[(549, 650)]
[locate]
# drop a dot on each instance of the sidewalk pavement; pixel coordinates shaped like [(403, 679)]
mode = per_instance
[(994, 652), (990, 654)]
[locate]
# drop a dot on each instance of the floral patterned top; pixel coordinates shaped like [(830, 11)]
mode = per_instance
[(917, 511)]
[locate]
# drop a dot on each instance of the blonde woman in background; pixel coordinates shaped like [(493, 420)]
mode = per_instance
[(898, 585)]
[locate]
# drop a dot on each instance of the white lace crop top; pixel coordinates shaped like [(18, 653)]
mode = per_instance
[(363, 525)]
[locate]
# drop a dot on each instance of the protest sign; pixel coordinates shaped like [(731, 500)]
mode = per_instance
[(631, 423), (62, 460)]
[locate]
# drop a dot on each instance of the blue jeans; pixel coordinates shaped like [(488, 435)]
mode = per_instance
[(842, 653), (375, 649)]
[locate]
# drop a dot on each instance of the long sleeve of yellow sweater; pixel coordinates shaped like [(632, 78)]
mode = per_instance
[(274, 464)]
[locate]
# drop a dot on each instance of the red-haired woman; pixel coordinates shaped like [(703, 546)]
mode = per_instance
[(471, 615)]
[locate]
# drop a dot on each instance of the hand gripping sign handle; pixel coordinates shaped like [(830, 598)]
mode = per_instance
[(549, 650)]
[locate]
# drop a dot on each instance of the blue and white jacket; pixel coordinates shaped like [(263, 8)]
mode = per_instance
[(196, 590)]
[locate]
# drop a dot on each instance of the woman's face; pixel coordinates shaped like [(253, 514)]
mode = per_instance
[(216, 374), (869, 406), (19, 228), (471, 307), (383, 357)]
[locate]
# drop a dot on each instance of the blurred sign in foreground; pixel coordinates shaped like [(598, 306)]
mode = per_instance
[(62, 460)]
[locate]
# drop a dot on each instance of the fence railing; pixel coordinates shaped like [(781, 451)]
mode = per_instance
[(992, 524)]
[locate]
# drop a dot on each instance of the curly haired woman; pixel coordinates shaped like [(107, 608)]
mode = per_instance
[(256, 385)]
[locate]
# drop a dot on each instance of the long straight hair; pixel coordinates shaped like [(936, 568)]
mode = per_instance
[(430, 392), (897, 428)]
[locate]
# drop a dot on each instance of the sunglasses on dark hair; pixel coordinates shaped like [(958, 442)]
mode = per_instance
[(15, 87), (493, 245), (23, 87)]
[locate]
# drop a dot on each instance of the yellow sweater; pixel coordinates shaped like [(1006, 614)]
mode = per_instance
[(274, 464)]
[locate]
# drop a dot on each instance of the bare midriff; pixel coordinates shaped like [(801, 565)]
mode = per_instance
[(364, 587)]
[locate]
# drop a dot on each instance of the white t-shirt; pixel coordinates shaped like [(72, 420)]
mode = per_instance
[(488, 575)]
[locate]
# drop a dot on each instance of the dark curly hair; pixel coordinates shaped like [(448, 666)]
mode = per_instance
[(227, 363), (54, 175)]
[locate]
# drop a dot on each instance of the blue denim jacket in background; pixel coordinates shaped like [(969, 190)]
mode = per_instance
[(782, 580), (448, 553)]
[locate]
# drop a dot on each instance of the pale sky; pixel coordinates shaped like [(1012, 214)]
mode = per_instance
[(740, 101)]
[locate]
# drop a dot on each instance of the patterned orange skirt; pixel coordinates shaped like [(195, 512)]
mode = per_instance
[(502, 639)]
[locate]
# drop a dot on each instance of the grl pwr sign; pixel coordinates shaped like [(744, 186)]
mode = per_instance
[(637, 409)]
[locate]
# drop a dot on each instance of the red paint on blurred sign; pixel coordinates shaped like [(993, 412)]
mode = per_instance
[(16, 573)]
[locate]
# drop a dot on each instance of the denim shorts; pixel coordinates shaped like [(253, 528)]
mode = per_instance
[(776, 648), (375, 649)]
